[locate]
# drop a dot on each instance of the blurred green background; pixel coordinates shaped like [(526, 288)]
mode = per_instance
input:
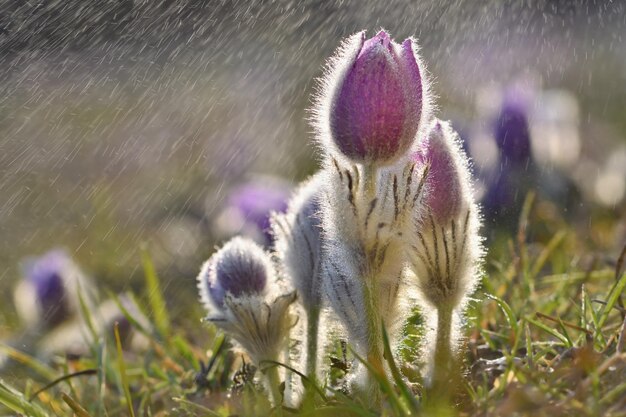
[(127, 122)]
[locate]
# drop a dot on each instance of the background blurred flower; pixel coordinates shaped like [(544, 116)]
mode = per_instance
[(248, 207), (49, 291)]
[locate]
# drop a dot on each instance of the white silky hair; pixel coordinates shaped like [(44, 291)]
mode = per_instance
[(298, 241), (367, 234)]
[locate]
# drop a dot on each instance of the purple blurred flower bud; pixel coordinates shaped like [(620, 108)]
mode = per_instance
[(512, 134), (376, 99), (249, 206), (44, 279), (239, 268), (445, 194)]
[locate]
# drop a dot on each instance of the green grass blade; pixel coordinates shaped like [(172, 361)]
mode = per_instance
[(75, 406), (614, 295), (410, 399), (15, 401), (155, 295), (122, 370), (87, 317), (383, 383), (197, 407), (549, 330), (508, 312), (334, 410), (134, 322), (29, 361), (543, 257)]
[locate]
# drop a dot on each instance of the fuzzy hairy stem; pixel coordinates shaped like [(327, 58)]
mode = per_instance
[(373, 318), (313, 317), (374, 350), (444, 357)]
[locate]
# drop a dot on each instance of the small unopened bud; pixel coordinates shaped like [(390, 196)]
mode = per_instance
[(375, 99), (239, 268), (447, 245), (445, 190), (447, 250), (299, 241), (238, 287)]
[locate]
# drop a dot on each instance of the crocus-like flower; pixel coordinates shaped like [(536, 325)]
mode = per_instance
[(299, 248), (239, 289), (48, 294), (447, 248), (374, 99)]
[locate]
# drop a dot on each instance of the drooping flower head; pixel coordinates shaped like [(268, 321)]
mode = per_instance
[(239, 268), (239, 289), (375, 99)]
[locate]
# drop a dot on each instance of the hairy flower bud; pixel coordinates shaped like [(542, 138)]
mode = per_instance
[(447, 250), (447, 246), (238, 287), (239, 268), (444, 198), (299, 241), (374, 99)]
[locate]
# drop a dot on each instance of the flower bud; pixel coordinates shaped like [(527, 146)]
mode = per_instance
[(445, 191), (238, 287), (239, 268), (299, 241), (374, 99), (447, 247)]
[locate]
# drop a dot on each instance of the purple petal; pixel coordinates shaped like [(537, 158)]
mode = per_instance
[(368, 116)]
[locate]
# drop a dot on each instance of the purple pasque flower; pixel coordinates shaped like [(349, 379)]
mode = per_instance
[(249, 206), (376, 95), (239, 268), (445, 194)]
